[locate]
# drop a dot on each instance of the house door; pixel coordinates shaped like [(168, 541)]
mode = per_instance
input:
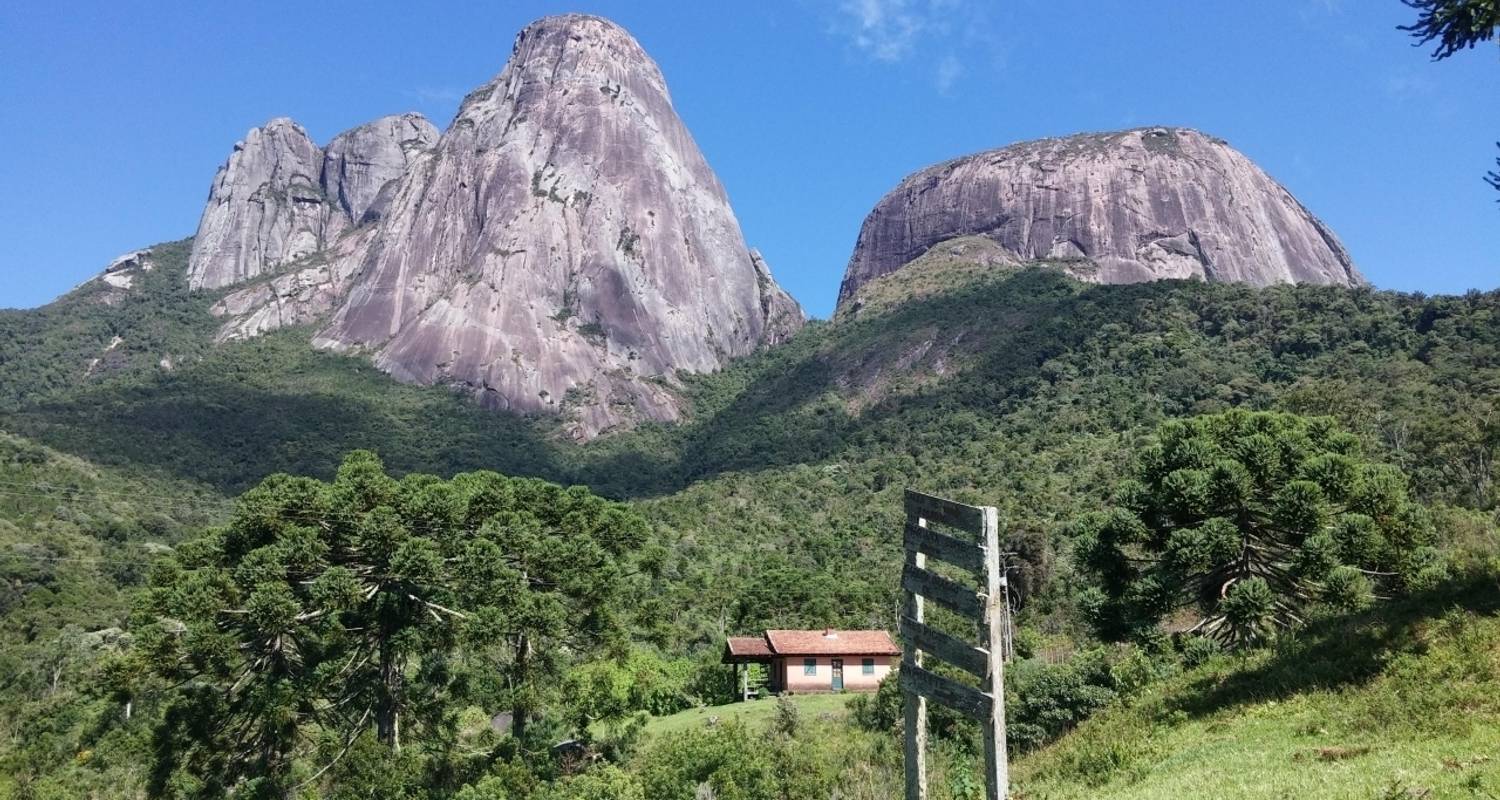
[(838, 674)]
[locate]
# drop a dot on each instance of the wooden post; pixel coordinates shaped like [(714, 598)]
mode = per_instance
[(992, 638), (744, 670), (978, 553), (916, 704)]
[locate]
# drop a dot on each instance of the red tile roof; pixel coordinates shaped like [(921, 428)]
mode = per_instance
[(748, 646), (832, 643)]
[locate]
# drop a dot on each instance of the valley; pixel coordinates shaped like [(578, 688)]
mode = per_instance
[(444, 464)]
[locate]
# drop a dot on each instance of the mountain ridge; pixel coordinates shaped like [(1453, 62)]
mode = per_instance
[(1128, 206), (562, 248)]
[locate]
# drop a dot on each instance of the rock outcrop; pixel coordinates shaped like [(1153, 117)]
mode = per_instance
[(280, 198), (359, 163), (121, 272), (1128, 206), (562, 247), (783, 314), (296, 296), (565, 247), (266, 208)]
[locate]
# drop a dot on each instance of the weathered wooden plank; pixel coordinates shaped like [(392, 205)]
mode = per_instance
[(991, 638), (943, 547), (915, 705), (961, 599), (951, 649), (946, 512), (964, 699)]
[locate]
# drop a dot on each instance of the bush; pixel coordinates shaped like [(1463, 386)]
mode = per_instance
[(1199, 650)]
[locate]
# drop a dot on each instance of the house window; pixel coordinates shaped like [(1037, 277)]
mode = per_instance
[(867, 666), (809, 666)]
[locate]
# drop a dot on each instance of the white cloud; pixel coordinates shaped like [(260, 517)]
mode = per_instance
[(892, 31), (887, 30), (1408, 85), (949, 70)]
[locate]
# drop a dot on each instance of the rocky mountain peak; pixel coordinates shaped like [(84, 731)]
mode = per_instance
[(1118, 207), (362, 161), (265, 207), (562, 248), (279, 197)]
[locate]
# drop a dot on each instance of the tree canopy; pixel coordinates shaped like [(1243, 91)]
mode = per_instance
[(324, 611), (1245, 519), (1453, 25)]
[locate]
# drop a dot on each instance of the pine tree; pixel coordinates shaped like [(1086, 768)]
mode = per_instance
[(1455, 25), (1246, 519), (351, 608)]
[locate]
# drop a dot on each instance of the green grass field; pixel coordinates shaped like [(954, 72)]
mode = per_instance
[(1403, 704), (754, 713)]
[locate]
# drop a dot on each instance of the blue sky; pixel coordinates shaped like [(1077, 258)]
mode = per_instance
[(115, 115)]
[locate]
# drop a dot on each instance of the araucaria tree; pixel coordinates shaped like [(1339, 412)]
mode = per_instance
[(1454, 25), (325, 612), (1235, 523)]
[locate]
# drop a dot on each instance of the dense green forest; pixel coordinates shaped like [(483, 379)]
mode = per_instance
[(776, 503)]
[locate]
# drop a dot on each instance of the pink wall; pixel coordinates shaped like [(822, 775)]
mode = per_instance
[(855, 680)]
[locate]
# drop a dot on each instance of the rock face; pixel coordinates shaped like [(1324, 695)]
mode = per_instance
[(265, 208), (565, 247), (358, 163), (122, 271), (300, 296), (1137, 205), (280, 197), (562, 247)]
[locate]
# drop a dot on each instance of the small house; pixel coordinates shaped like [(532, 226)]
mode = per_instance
[(800, 662)]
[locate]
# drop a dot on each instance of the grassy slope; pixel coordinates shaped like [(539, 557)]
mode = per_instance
[(755, 713), (1404, 698), (1398, 701)]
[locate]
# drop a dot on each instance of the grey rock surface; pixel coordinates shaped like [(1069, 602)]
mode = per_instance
[(564, 248), (266, 208), (358, 163), (280, 198), (783, 314), (1137, 205), (122, 271), (300, 295)]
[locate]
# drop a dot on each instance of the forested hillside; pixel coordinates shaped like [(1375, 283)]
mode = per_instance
[(777, 502), (1023, 390), (135, 318)]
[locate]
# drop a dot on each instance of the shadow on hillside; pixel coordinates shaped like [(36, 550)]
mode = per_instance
[(300, 411), (795, 408), (1339, 652), (229, 434), (272, 405)]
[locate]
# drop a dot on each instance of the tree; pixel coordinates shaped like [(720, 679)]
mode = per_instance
[(1455, 25), (1246, 519), (65, 652), (334, 609), (1493, 178)]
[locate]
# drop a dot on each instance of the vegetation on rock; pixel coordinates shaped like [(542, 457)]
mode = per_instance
[(776, 505), (1247, 519)]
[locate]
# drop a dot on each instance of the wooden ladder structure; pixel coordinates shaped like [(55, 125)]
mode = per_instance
[(976, 550)]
